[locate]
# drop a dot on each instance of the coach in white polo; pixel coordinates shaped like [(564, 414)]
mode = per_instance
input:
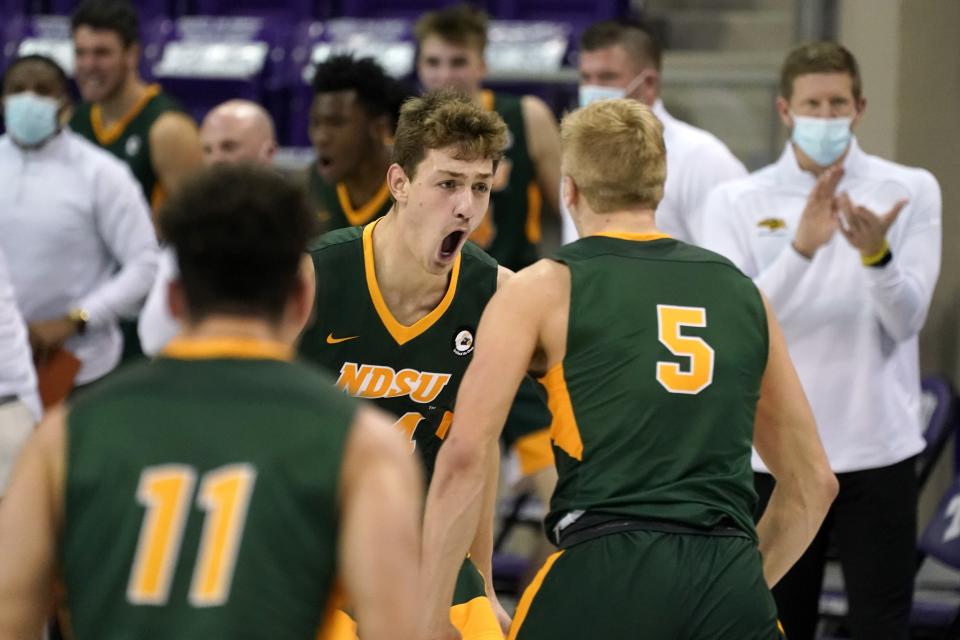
[(621, 59), (846, 246), (74, 225), (19, 401)]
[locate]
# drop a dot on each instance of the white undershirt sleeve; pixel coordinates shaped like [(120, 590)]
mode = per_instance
[(157, 325)]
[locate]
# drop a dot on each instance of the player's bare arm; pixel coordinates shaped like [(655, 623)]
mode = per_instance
[(523, 328), (786, 438), (175, 149), (31, 516), (543, 141), (380, 534)]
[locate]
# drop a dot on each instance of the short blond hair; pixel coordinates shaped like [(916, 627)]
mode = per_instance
[(613, 150), (447, 119)]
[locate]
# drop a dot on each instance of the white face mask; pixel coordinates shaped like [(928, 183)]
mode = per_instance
[(590, 93)]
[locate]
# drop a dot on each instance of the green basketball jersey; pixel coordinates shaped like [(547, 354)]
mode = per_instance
[(412, 372), (510, 232), (201, 497), (129, 139), (654, 402), (333, 206)]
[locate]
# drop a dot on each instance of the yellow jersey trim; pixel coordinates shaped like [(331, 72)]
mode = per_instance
[(534, 213), (637, 237), (564, 429), (356, 217), (487, 99), (108, 135), (402, 333), (475, 620), (523, 607), (211, 348), (534, 451)]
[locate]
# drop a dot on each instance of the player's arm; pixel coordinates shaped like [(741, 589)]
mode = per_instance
[(31, 516), (175, 149), (543, 142), (786, 438), (508, 340), (380, 497)]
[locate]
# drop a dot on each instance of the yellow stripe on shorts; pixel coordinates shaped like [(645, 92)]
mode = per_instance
[(530, 593)]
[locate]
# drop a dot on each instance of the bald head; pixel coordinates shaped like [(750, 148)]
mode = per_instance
[(238, 131)]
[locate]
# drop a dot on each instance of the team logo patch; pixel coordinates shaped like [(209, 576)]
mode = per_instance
[(463, 342), (772, 224), (133, 145)]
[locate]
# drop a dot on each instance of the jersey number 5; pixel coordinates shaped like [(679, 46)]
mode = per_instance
[(699, 374), (165, 491)]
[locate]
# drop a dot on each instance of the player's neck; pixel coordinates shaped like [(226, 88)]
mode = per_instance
[(410, 290), (219, 327), (118, 105), (364, 183), (629, 221)]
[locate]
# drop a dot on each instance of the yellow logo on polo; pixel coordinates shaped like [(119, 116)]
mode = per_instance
[(375, 381), (773, 224)]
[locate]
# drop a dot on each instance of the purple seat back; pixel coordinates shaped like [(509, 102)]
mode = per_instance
[(941, 538), (291, 10)]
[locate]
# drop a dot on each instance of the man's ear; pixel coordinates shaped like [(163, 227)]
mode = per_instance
[(177, 301), (398, 182)]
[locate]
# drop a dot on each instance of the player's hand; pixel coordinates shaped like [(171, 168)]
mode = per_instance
[(865, 230), (46, 336), (819, 220)]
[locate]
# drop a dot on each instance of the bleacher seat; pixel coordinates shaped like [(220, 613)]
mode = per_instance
[(148, 9), (210, 59), (290, 10), (45, 35)]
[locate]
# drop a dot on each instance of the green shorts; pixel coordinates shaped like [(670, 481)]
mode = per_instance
[(650, 585)]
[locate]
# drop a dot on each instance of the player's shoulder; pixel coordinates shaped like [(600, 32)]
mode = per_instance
[(474, 255), (334, 243)]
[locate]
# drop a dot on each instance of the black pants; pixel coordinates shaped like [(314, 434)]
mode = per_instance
[(873, 522)]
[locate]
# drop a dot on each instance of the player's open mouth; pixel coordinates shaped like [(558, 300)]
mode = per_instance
[(450, 244)]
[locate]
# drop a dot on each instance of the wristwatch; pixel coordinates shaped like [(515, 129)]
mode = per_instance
[(79, 317)]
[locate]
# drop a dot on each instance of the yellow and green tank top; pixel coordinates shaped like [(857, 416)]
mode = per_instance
[(129, 138), (654, 403), (201, 496)]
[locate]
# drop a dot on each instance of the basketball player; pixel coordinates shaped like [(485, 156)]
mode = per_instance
[(398, 300), (217, 491), (654, 354)]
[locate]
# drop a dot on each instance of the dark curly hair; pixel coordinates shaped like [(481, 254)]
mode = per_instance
[(378, 93), (239, 231)]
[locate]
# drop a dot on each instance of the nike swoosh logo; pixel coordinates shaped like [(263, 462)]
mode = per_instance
[(332, 340)]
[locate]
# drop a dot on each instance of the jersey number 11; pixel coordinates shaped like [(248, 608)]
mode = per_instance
[(166, 492)]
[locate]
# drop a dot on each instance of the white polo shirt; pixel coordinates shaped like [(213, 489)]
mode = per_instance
[(851, 330), (697, 161), (17, 377), (76, 232)]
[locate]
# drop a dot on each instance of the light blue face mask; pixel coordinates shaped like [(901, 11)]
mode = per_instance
[(592, 92), (823, 139), (30, 119)]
